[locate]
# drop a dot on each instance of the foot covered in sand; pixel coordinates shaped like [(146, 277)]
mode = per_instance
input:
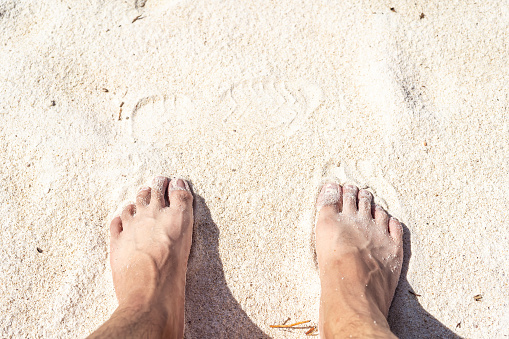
[(360, 253), (150, 244)]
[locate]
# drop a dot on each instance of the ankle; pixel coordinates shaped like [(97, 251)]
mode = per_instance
[(352, 312), (141, 310), (358, 320), (355, 326)]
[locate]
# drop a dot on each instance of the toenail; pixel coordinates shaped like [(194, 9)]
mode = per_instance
[(329, 195), (365, 193), (159, 183), (144, 188), (179, 185), (350, 188), (330, 187)]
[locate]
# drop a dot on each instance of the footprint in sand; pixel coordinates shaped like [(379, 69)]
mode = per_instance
[(154, 116), (271, 104)]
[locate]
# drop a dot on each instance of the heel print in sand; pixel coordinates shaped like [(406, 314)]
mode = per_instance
[(153, 117)]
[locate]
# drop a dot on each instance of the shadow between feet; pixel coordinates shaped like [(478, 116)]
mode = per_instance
[(213, 312), (211, 309), (407, 318)]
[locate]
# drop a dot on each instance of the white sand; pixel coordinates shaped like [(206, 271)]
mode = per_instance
[(255, 103)]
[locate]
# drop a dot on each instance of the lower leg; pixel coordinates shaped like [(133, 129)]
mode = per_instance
[(347, 309), (136, 322)]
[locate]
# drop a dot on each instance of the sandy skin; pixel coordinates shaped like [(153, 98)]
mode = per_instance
[(359, 249), (149, 249), (360, 253)]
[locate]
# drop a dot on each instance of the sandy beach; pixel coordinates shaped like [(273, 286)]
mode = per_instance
[(256, 103)]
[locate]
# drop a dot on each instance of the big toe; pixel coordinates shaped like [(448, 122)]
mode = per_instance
[(179, 196), (330, 197)]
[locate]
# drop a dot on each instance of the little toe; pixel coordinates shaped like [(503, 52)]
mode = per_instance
[(179, 196), (116, 227), (143, 197), (330, 196), (396, 231), (128, 212), (381, 218), (350, 199), (158, 191), (365, 201)]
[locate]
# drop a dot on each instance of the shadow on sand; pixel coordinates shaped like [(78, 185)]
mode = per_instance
[(407, 317), (213, 312), (211, 309)]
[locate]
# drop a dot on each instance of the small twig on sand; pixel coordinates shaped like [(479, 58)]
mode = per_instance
[(413, 293), (311, 330), (120, 111), (291, 325), (137, 18)]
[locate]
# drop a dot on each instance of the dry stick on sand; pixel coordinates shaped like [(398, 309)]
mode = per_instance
[(311, 330), (291, 325), (137, 18)]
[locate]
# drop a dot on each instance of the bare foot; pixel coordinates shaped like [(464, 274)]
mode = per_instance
[(360, 253), (150, 244)]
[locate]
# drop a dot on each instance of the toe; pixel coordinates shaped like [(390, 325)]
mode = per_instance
[(365, 201), (330, 197), (128, 212), (116, 227), (350, 199), (143, 197), (396, 231), (179, 196), (381, 217), (158, 191)]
